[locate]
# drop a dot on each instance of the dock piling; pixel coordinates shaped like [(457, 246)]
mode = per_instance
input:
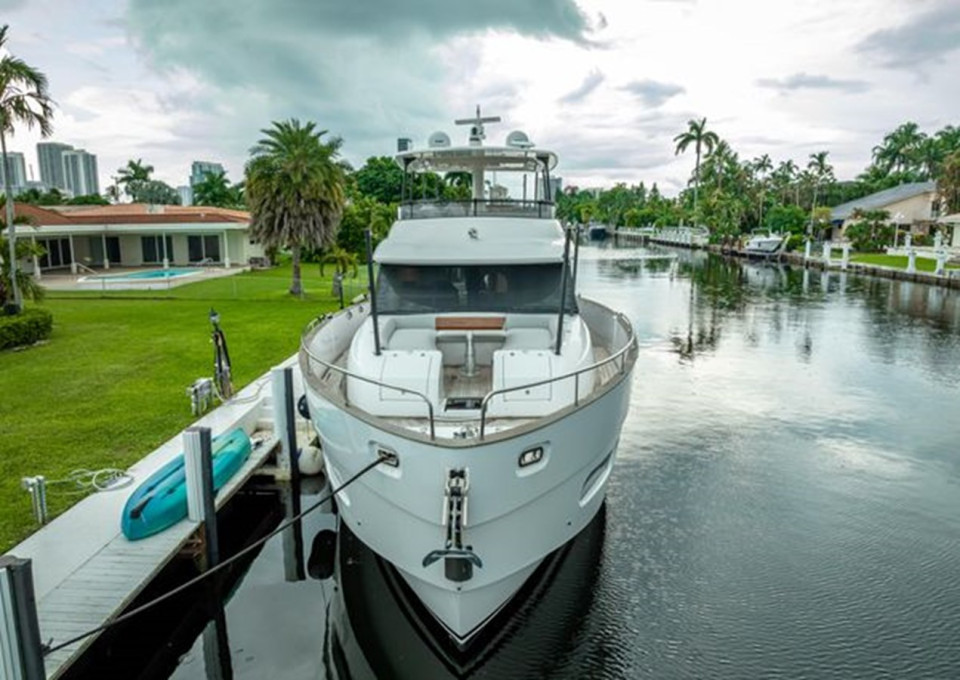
[(285, 428), (198, 466), (827, 252), (21, 651), (911, 258)]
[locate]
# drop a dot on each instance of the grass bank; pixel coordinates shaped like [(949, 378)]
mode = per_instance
[(109, 386), (896, 261)]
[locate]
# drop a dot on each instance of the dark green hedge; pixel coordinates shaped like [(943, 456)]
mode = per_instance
[(25, 328)]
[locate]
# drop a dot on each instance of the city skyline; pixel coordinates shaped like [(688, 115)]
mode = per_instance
[(606, 84)]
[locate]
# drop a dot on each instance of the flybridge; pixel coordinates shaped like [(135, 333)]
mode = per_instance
[(512, 180)]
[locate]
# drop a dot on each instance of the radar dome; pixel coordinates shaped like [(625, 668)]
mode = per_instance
[(439, 140), (519, 139)]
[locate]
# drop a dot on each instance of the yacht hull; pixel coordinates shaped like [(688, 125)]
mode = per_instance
[(516, 515)]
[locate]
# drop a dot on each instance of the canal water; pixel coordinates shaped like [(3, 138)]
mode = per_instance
[(786, 502)]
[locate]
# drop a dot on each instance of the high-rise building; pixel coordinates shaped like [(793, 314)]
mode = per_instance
[(186, 194), (80, 172), (16, 169), (200, 169), (50, 155)]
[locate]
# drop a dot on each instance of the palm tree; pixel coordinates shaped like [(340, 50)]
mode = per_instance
[(28, 285), (762, 166), (23, 99), (295, 189), (133, 176), (214, 190), (820, 171), (700, 138), (342, 259)]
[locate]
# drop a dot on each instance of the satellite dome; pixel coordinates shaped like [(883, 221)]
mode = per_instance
[(439, 140), (519, 139)]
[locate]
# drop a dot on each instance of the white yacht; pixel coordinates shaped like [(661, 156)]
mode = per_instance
[(495, 393), (764, 243)]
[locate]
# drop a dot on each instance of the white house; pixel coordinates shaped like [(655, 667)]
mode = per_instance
[(135, 235), (911, 206)]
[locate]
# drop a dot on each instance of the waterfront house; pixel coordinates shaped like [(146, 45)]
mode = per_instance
[(136, 235), (912, 207)]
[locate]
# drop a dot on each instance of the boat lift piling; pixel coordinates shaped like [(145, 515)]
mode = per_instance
[(285, 429), (21, 651), (198, 466)]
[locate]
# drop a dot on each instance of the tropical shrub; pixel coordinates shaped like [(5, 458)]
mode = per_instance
[(871, 232), (29, 326)]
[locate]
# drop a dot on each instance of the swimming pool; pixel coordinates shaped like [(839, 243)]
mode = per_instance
[(171, 273)]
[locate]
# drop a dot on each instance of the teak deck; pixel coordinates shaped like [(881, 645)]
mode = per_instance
[(470, 323)]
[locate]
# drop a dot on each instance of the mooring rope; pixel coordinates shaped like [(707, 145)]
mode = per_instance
[(104, 479), (49, 649)]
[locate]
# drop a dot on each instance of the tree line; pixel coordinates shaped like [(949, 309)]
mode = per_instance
[(733, 195)]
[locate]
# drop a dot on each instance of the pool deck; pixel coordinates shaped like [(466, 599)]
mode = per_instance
[(86, 572), (88, 281)]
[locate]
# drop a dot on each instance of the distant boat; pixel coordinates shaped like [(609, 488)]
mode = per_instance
[(597, 232), (765, 244)]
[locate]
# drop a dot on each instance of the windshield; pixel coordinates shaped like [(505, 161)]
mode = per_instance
[(527, 288)]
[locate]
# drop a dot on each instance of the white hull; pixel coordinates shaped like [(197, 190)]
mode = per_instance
[(516, 515), (763, 245)]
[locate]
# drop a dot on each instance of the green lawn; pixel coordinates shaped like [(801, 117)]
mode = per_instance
[(897, 261), (110, 384)]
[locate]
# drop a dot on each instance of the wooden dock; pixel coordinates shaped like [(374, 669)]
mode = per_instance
[(86, 572)]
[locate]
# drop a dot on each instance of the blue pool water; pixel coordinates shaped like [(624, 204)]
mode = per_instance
[(153, 274)]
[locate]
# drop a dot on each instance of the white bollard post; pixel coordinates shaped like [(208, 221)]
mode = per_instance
[(941, 262), (908, 240), (911, 260), (845, 262), (827, 248)]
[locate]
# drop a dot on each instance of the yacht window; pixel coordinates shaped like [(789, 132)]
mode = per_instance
[(528, 288)]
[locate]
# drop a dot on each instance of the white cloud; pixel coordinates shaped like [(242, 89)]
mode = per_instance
[(180, 80)]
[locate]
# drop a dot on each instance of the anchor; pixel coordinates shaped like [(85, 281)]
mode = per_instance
[(458, 559)]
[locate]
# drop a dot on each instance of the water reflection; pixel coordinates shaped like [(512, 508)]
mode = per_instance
[(377, 629)]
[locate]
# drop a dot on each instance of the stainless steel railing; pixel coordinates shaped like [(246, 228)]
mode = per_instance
[(620, 355)]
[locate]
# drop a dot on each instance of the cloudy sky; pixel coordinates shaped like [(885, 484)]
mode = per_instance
[(605, 83)]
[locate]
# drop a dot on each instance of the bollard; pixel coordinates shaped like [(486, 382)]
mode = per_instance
[(21, 651), (845, 262), (37, 488), (941, 262), (806, 250), (201, 507), (911, 258), (908, 241), (827, 249)]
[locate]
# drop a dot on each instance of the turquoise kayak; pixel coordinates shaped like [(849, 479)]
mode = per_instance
[(161, 501)]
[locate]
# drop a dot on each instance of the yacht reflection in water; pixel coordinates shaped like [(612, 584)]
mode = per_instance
[(377, 628)]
